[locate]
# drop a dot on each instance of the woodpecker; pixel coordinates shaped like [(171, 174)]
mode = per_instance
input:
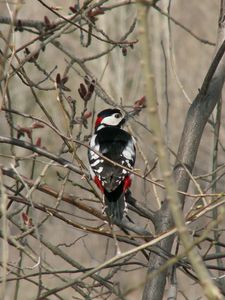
[(118, 146)]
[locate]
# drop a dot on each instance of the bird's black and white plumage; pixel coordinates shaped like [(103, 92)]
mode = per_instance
[(117, 145)]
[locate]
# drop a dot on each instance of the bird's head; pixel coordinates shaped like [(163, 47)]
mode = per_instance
[(109, 117)]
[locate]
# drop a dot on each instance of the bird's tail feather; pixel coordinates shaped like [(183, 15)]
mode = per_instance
[(115, 208)]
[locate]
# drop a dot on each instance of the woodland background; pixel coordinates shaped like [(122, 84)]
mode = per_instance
[(47, 243)]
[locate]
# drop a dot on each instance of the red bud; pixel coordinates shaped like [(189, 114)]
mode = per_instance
[(58, 79), (73, 9), (37, 125), (26, 130), (47, 21), (38, 142), (124, 51), (87, 115), (27, 220), (64, 80), (140, 102)]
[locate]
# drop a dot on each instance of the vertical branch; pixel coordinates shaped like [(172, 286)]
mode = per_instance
[(216, 131), (172, 58), (210, 290), (18, 282), (4, 70), (4, 226)]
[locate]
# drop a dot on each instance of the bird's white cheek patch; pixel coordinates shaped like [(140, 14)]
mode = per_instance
[(111, 120)]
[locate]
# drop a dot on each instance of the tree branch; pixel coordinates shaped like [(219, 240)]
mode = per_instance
[(197, 117)]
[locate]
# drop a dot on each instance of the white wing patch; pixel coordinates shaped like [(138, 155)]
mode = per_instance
[(92, 142), (129, 151), (99, 170), (96, 162), (95, 147)]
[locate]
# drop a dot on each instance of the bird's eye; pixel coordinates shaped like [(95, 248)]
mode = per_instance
[(117, 116)]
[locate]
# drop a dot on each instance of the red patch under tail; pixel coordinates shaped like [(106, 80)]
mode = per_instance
[(126, 183), (99, 184)]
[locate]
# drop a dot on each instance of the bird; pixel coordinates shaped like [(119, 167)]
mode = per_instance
[(116, 148)]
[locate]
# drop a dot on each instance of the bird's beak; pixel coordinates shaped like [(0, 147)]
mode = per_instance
[(129, 115), (122, 122)]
